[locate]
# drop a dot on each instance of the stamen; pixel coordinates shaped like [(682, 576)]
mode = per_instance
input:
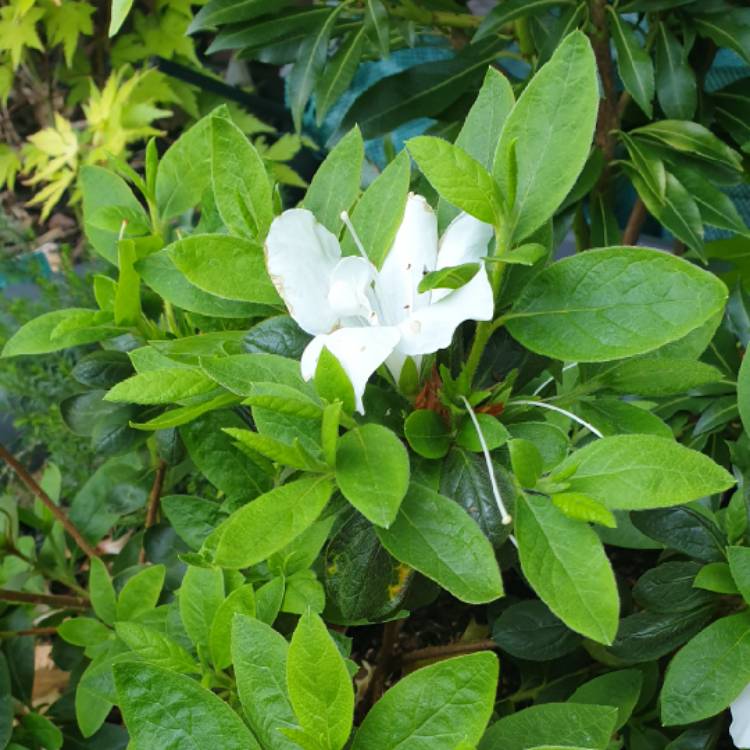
[(567, 413), (543, 385), (504, 515), (348, 224)]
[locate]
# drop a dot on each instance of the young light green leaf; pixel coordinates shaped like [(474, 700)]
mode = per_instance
[(574, 309), (270, 522), (198, 719), (716, 577), (584, 508), (102, 592), (372, 471), (620, 689), (565, 563), (84, 631), (141, 592), (708, 673), (634, 63), (319, 686), (156, 648), (739, 564), (259, 656), (335, 185), (452, 277), (378, 214), (449, 702), (457, 177), (551, 125), (240, 601), (437, 537), (229, 267), (127, 308), (118, 13), (161, 386), (242, 190), (636, 472), (200, 596)]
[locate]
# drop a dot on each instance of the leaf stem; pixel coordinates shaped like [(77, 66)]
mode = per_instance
[(61, 601), (46, 500), (450, 649), (435, 17)]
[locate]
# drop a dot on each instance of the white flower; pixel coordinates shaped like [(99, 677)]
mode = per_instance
[(740, 727), (363, 316)]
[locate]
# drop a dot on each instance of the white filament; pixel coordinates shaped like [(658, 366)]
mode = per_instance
[(505, 516), (574, 417), (348, 224)]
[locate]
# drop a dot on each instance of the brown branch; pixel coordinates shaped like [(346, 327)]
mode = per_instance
[(28, 631), (635, 223), (46, 500), (154, 496), (451, 649), (384, 664), (61, 601)]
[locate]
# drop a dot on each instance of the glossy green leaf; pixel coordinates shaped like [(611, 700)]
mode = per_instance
[(161, 386), (636, 472), (140, 593), (510, 10), (437, 537), (270, 522), (338, 73), (665, 376), (434, 708), (675, 80), (620, 689), (709, 672), (739, 563), (613, 303), (565, 563), (102, 592), (427, 433), (372, 472), (452, 277), (634, 63), (200, 596), (156, 648)]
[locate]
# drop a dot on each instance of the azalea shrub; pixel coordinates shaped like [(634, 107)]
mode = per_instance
[(383, 469)]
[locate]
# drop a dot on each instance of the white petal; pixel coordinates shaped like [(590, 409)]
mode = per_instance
[(301, 255), (431, 328), (464, 241), (359, 350), (396, 361), (413, 252), (739, 730), (350, 283)]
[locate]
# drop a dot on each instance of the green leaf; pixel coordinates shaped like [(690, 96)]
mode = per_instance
[(526, 461), (584, 508), (553, 724), (743, 393), (510, 10), (427, 433), (118, 14), (240, 373), (338, 74), (241, 187), (320, 689), (716, 577), (376, 20), (200, 596), (436, 707), (452, 277), (523, 255), (420, 91), (270, 522), (457, 177), (196, 718), (669, 588), (648, 167), (161, 386), (378, 214), (675, 80), (160, 273), (739, 564), (683, 529), (43, 335), (294, 456), (634, 63), (620, 689), (565, 563), (141, 592), (613, 303), (156, 648), (727, 29), (84, 631), (101, 592), (708, 673), (335, 185), (372, 472), (259, 656), (229, 267), (42, 730), (528, 630), (240, 601), (665, 376), (636, 472), (220, 12), (332, 383), (311, 59), (438, 538), (550, 128)]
